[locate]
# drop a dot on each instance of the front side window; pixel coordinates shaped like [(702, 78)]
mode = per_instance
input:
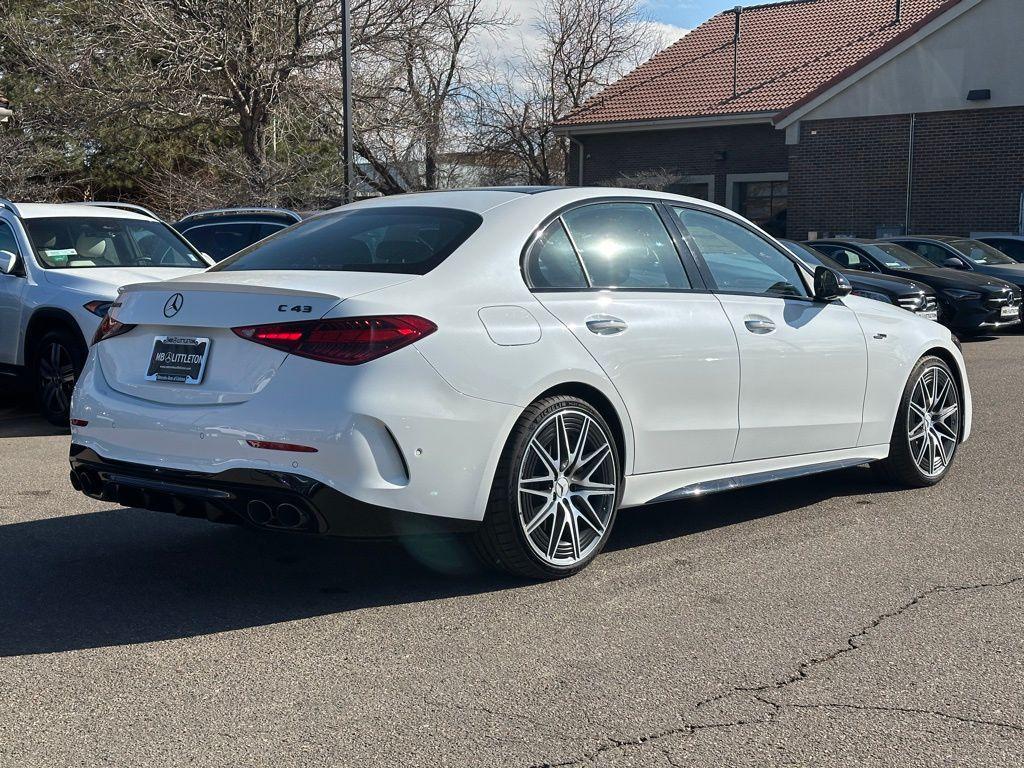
[(980, 253), (739, 260), (408, 240), (849, 259), (552, 262), (936, 255), (625, 245), (91, 242)]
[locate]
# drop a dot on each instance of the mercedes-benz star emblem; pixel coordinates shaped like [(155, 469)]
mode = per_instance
[(173, 305)]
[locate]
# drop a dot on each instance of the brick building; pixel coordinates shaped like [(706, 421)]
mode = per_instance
[(815, 117)]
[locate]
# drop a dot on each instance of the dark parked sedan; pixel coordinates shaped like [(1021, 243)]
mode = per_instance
[(220, 233), (966, 255), (914, 297), (968, 302), (1011, 245)]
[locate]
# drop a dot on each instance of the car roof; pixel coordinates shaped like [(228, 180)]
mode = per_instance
[(937, 238), (850, 240), (483, 199), (51, 210), (242, 212)]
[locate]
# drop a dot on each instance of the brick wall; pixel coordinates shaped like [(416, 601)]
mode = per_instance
[(684, 152), (850, 176), (968, 171)]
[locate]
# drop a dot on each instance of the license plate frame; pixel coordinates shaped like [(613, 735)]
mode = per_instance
[(177, 370)]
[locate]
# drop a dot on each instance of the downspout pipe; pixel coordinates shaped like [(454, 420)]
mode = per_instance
[(579, 164), (910, 173)]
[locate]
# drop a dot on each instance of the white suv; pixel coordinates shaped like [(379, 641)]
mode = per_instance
[(60, 268)]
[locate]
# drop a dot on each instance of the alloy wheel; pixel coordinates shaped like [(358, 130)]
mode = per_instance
[(933, 425), (56, 377), (567, 488)]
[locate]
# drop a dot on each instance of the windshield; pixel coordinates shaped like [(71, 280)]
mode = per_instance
[(406, 240), (897, 257), (981, 253), (810, 256), (86, 242)]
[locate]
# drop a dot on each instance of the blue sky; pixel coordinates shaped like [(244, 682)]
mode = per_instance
[(689, 13)]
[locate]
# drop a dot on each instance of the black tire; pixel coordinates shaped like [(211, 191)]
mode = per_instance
[(501, 541), (901, 468), (57, 362)]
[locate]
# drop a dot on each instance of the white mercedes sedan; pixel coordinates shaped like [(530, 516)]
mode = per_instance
[(514, 363)]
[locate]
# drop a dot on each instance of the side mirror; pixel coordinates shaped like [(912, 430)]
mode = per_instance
[(830, 285), (954, 263), (8, 262)]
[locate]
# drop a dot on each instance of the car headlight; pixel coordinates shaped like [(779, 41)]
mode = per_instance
[(872, 295), (98, 308), (960, 295), (913, 303)]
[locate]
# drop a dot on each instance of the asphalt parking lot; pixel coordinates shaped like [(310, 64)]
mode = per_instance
[(824, 621)]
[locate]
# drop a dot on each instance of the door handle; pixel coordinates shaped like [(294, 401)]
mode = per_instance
[(760, 325), (605, 325)]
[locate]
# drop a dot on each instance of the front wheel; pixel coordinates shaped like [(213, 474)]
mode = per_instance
[(928, 427), (555, 493), (58, 361)]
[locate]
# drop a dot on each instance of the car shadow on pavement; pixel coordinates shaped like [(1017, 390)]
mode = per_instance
[(122, 576), (19, 418)]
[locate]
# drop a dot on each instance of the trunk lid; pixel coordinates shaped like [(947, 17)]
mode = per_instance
[(208, 306)]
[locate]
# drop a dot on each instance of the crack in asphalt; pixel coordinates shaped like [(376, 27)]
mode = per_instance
[(909, 711), (803, 671)]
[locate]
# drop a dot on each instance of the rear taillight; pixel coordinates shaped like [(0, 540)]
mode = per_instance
[(343, 341), (109, 328)]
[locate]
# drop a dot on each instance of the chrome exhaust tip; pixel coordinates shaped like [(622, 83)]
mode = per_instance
[(259, 512), (289, 516)]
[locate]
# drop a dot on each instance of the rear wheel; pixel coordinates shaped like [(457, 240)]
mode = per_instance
[(555, 494), (57, 363), (928, 426)]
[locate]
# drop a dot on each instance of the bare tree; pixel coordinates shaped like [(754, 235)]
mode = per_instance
[(229, 66), (412, 95), (585, 45)]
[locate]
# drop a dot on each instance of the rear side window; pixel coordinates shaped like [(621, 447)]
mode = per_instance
[(552, 262), (625, 245), (7, 241), (406, 240)]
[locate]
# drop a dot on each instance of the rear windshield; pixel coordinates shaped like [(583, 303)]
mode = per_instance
[(86, 242), (407, 240)]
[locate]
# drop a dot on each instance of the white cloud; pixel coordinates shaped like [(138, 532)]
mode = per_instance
[(504, 44)]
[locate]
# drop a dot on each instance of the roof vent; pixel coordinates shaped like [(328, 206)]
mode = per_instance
[(899, 11)]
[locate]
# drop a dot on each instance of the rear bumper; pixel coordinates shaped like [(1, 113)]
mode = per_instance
[(391, 434), (262, 498)]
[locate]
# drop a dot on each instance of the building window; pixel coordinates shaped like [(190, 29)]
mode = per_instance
[(764, 203), (761, 197)]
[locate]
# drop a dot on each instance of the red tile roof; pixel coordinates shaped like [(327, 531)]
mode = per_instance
[(787, 51)]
